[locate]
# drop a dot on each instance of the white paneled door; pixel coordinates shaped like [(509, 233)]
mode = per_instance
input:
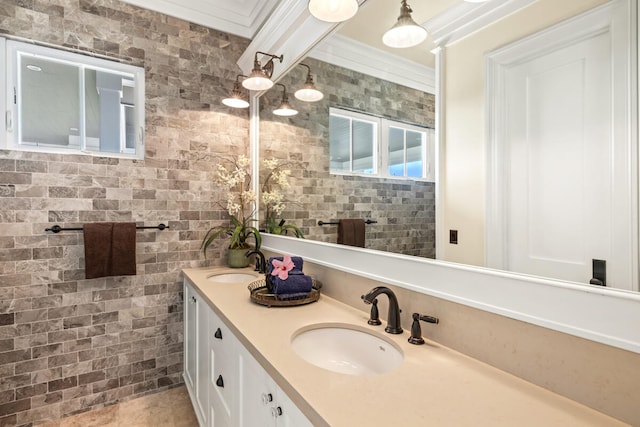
[(567, 167)]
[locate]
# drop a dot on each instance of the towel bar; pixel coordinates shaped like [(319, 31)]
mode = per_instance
[(57, 228), (369, 221)]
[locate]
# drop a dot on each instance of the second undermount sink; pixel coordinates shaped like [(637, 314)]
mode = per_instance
[(343, 349), (231, 277)]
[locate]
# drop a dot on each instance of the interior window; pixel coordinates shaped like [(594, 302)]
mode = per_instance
[(65, 102)]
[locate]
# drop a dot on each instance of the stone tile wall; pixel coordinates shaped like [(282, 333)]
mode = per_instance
[(68, 344), (404, 209)]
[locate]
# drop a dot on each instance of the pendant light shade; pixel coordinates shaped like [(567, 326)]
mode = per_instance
[(333, 10), (260, 77), (308, 92), (285, 109), (406, 32), (236, 98)]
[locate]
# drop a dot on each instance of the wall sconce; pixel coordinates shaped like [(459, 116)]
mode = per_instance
[(236, 98), (285, 109), (406, 32), (260, 77), (308, 92), (333, 10)]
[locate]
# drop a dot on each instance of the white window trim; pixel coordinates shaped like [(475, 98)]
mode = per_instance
[(9, 76)]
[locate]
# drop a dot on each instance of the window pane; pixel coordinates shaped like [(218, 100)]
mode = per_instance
[(396, 151), (105, 119), (339, 144), (415, 147), (50, 102), (363, 146)]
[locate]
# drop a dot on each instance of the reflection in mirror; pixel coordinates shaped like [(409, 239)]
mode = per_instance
[(404, 210)]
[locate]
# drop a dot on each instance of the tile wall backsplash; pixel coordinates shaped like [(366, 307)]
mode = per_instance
[(404, 209), (68, 344)]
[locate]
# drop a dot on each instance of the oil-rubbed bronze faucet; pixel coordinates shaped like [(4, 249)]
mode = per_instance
[(261, 264), (393, 318)]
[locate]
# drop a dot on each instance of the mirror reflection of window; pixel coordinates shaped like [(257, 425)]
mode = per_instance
[(360, 142)]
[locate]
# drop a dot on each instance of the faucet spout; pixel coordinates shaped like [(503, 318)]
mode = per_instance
[(393, 317), (261, 264)]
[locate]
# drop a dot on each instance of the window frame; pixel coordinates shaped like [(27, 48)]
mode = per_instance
[(381, 146), (13, 50)]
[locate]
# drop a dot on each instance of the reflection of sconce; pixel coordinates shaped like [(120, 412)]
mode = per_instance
[(333, 10), (406, 32), (260, 77), (236, 98), (308, 92), (285, 109)]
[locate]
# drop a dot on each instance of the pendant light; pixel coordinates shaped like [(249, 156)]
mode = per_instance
[(406, 32), (333, 10), (285, 109), (308, 92), (236, 98), (260, 77)]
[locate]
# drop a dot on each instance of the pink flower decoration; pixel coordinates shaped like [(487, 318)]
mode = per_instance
[(282, 268)]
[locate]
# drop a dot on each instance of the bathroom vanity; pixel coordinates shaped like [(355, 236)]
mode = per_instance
[(241, 369)]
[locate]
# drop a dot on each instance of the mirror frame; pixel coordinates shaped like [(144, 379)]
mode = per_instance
[(607, 316)]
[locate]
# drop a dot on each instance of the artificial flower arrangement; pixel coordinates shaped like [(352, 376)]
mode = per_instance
[(236, 179), (272, 190)]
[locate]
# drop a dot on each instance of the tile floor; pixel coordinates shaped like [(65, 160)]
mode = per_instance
[(171, 408)]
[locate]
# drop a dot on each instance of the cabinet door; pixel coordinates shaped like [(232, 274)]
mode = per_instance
[(189, 339), (202, 358), (223, 379), (257, 398), (196, 351), (288, 414)]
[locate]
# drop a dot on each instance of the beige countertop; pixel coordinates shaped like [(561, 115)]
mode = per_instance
[(434, 386)]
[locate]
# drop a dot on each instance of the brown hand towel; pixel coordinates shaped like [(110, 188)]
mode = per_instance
[(351, 232), (109, 249)]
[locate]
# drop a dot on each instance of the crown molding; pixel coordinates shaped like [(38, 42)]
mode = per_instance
[(348, 53), (242, 18), (466, 18)]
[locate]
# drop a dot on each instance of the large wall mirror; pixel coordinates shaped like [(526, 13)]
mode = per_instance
[(405, 209)]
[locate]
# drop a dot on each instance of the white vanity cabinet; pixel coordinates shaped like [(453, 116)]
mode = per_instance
[(227, 386), (196, 366)]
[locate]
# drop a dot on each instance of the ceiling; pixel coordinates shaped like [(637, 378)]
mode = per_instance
[(377, 16), (240, 17), (245, 18)]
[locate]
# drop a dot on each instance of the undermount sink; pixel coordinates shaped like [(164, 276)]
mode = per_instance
[(342, 349), (231, 277)]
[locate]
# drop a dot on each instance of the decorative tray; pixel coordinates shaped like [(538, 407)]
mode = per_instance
[(260, 295)]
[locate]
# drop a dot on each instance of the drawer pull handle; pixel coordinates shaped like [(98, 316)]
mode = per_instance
[(276, 412), (220, 381), (218, 334), (266, 398)]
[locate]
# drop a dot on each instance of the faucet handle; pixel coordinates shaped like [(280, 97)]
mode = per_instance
[(374, 318), (416, 330)]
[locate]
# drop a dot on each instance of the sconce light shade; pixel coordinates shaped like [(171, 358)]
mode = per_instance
[(236, 98), (285, 109), (308, 92), (406, 32), (260, 77), (333, 10), (257, 80)]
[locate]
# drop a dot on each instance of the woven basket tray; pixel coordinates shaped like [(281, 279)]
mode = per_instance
[(260, 295)]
